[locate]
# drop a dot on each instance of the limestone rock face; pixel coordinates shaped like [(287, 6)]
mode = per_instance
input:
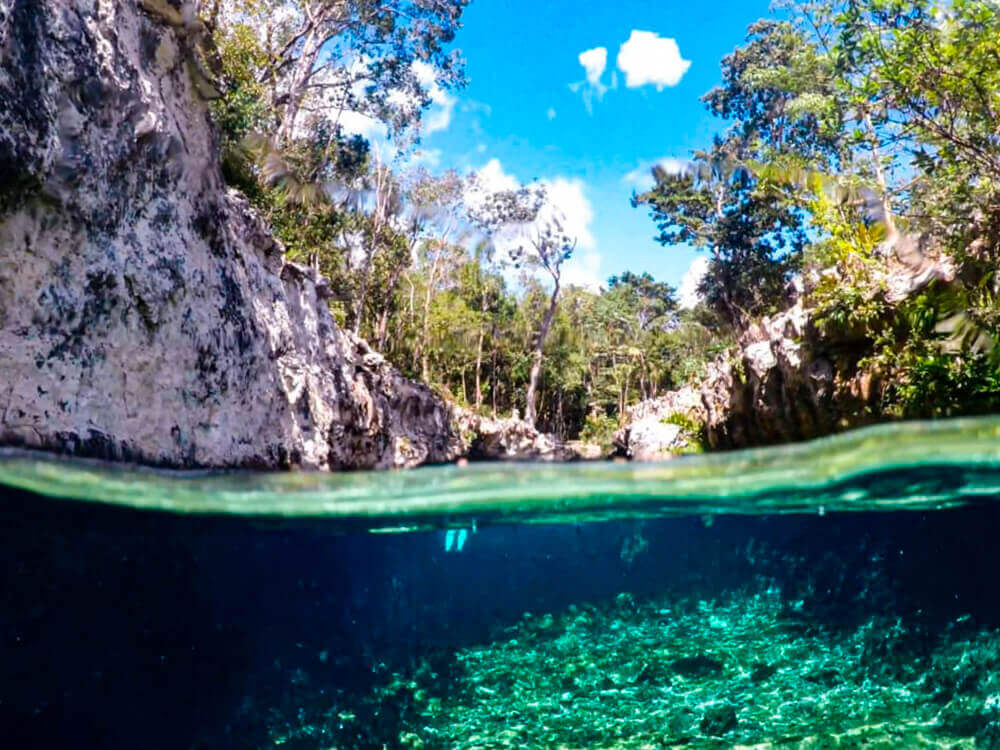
[(789, 381), (514, 439), (785, 381), (647, 436), (145, 311), (652, 439), (780, 385)]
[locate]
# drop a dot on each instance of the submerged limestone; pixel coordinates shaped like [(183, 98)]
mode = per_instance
[(146, 312), (744, 671)]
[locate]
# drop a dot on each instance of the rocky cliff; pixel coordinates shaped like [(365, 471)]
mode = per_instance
[(786, 380), (145, 311)]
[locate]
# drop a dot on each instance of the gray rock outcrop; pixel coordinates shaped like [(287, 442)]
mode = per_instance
[(648, 435), (146, 313), (510, 438), (786, 380)]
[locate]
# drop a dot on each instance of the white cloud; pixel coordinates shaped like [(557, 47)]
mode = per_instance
[(594, 61), (428, 156), (641, 178), (492, 178), (332, 103), (687, 293), (476, 107), (355, 123), (442, 103), (648, 58), (584, 269), (425, 74), (566, 201), (551, 113), (438, 119)]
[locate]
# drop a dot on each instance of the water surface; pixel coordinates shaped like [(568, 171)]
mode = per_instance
[(901, 466)]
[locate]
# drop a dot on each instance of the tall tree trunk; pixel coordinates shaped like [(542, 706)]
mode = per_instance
[(479, 354), (383, 321), (880, 180), (530, 410), (359, 303), (493, 383), (479, 368), (383, 327), (298, 85), (413, 291), (421, 350), (379, 218)]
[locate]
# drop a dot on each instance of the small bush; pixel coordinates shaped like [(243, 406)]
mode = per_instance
[(599, 429)]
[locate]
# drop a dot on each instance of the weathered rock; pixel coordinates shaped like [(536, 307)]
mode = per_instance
[(913, 264), (699, 666), (649, 436), (780, 385), (145, 311), (513, 439), (718, 720), (786, 380), (652, 439), (588, 451)]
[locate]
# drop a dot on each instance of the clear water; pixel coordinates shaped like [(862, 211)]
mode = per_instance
[(841, 593)]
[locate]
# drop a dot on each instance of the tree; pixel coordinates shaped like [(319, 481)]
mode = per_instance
[(532, 232), (754, 235), (319, 59), (484, 291), (637, 310), (380, 232), (933, 70), (439, 202)]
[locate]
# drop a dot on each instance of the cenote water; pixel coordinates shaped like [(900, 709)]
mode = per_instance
[(840, 593)]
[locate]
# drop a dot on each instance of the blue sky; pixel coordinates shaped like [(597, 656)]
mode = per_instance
[(520, 110)]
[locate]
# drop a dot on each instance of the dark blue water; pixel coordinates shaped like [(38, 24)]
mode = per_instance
[(128, 629)]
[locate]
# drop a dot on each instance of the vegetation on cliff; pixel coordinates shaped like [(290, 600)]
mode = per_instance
[(857, 168), (862, 153)]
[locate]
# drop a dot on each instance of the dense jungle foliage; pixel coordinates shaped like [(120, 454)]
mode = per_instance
[(858, 142)]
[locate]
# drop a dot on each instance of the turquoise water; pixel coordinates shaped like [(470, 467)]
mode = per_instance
[(839, 593)]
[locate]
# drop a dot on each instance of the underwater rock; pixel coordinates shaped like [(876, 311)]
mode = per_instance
[(966, 716), (826, 677), (146, 312), (762, 672), (697, 666), (719, 720)]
